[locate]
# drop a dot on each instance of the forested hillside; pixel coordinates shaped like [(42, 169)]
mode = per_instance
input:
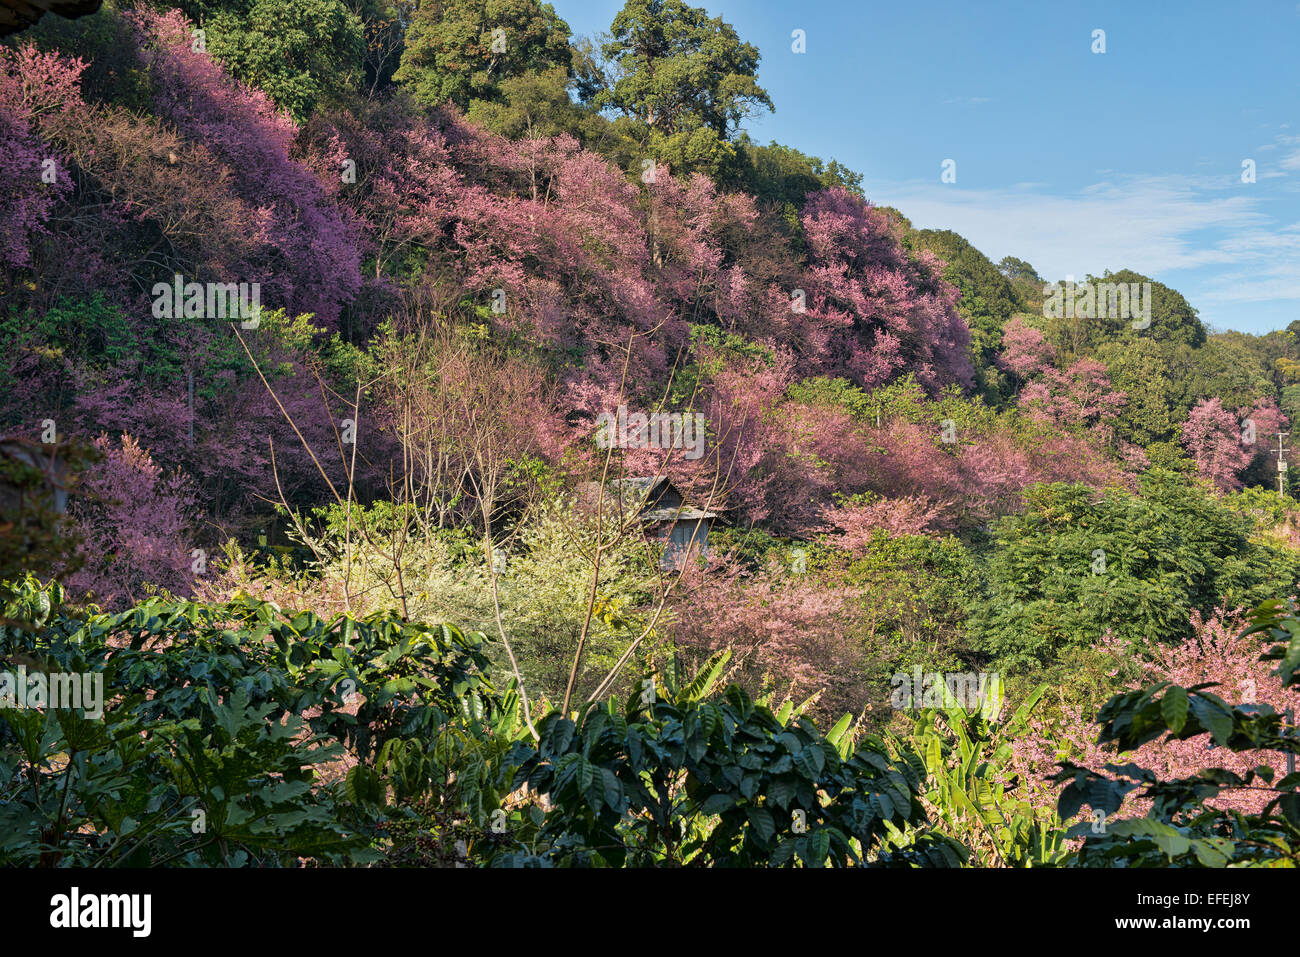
[(343, 325)]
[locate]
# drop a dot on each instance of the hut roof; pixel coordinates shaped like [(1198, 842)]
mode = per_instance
[(682, 514)]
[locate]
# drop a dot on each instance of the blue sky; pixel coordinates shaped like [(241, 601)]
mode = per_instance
[(1072, 160)]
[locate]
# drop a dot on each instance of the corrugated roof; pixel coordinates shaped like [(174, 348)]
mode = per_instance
[(643, 484), (675, 514), (640, 490)]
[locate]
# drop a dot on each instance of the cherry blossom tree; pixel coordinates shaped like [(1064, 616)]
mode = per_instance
[(787, 633), (33, 85), (312, 261), (1025, 350), (1213, 436), (136, 524), (1216, 653), (879, 310)]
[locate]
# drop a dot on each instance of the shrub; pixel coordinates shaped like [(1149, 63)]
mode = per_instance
[(219, 723), (677, 779), (1078, 564)]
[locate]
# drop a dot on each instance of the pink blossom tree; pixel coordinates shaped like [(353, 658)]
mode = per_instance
[(1213, 436), (1025, 350), (1216, 653), (881, 311), (312, 262), (32, 85), (788, 633), (910, 515), (136, 524), (1078, 397), (1259, 426)]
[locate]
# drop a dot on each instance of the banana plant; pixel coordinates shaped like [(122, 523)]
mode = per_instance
[(974, 795)]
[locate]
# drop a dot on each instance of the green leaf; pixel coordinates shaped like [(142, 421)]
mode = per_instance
[(613, 788), (717, 803), (1213, 717), (781, 792), (1213, 852), (839, 736), (814, 848), (760, 819), (706, 677), (1173, 708), (1289, 805), (811, 760)]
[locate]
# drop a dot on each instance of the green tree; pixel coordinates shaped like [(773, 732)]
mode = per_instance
[(1014, 268), (988, 298), (683, 77), (536, 104), (1026, 281), (1157, 400), (779, 175), (1290, 402), (1078, 563), (299, 52), (1172, 318), (384, 22), (462, 50), (915, 592), (1233, 366)]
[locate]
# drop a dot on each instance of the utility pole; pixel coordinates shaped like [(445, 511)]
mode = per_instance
[(1281, 464)]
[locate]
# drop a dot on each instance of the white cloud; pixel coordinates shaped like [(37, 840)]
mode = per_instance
[(1211, 237), (1290, 162), (1143, 223)]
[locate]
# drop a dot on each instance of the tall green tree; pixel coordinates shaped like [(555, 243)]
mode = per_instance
[(1157, 401), (462, 50), (299, 52), (1078, 563), (1025, 280), (1172, 318), (988, 299), (535, 105), (782, 176), (683, 77), (1233, 366), (385, 23)]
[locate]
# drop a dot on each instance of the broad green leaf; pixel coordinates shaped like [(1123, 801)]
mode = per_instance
[(1173, 708)]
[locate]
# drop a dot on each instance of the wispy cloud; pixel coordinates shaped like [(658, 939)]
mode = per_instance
[(1211, 236), (1145, 223)]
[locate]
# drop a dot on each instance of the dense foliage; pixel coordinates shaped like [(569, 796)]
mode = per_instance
[(459, 244)]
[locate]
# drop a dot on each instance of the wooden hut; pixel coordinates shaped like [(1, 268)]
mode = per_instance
[(666, 517)]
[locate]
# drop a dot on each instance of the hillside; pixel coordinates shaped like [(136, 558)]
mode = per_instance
[(345, 308)]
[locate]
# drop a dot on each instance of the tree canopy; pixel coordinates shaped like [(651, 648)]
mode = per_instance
[(684, 77), (462, 50)]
